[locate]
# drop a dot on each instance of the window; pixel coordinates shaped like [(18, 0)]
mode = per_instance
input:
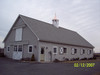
[(15, 48), (30, 48), (20, 48), (82, 51), (74, 51), (65, 50), (8, 48), (89, 51), (42, 50), (55, 50), (18, 34)]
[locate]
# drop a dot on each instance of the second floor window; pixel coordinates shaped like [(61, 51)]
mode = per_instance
[(18, 34)]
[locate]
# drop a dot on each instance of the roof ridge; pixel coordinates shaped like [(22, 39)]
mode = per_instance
[(46, 23), (34, 19), (68, 29)]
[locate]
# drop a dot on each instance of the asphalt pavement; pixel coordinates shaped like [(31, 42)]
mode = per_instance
[(12, 67)]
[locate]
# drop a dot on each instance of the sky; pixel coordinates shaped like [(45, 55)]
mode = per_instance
[(82, 16)]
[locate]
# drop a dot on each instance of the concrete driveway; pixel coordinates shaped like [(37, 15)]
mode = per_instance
[(11, 67)]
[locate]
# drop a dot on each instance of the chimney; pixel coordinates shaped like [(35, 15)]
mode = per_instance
[(55, 21)]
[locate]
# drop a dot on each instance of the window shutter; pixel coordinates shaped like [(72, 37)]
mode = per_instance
[(72, 50), (18, 35), (81, 51)]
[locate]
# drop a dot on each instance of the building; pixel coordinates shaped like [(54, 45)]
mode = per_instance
[(46, 41), (1, 52)]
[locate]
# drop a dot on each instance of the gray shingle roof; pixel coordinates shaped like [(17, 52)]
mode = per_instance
[(50, 33)]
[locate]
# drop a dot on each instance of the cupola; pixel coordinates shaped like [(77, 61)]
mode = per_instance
[(55, 21)]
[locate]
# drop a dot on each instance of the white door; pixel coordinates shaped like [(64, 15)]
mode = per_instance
[(17, 54), (42, 55)]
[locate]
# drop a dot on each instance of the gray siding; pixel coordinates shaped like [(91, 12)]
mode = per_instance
[(28, 38), (8, 41), (32, 40), (68, 55)]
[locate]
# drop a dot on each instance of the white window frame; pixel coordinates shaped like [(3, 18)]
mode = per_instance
[(16, 47), (72, 51), (89, 51), (61, 50), (18, 34), (7, 48), (28, 48), (56, 49)]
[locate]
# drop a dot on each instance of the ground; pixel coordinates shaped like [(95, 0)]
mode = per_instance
[(12, 67)]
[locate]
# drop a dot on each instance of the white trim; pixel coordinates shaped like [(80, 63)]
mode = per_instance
[(89, 52), (72, 51), (56, 49), (18, 34), (81, 51), (16, 47), (30, 28), (61, 50), (28, 48), (7, 48)]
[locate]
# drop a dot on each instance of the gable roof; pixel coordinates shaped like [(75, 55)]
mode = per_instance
[(49, 33)]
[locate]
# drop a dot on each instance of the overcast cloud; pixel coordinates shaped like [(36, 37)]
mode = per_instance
[(82, 16)]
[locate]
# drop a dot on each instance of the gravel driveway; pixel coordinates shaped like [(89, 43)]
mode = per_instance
[(11, 67)]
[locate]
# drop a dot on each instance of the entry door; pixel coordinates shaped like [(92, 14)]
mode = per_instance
[(17, 53), (42, 58)]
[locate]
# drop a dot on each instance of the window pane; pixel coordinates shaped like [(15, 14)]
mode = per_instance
[(8, 48), (30, 48), (42, 50), (65, 50), (20, 48), (15, 48), (75, 50), (54, 50), (83, 51)]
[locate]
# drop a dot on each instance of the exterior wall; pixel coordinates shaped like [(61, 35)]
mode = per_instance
[(10, 39), (69, 55), (28, 38), (32, 40)]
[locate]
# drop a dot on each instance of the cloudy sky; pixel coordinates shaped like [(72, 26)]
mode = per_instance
[(82, 16)]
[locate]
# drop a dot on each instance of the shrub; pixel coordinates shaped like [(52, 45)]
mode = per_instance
[(66, 59), (90, 58), (76, 58), (2, 55), (26, 59), (73, 59), (94, 57), (84, 59), (33, 58), (56, 60)]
